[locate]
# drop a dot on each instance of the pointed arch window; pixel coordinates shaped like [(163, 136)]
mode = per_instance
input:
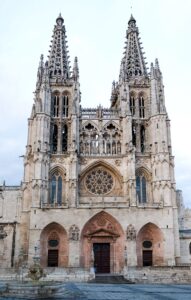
[(141, 189), (132, 105), (64, 138), (134, 134), (141, 107), (142, 138), (65, 102), (55, 106), (55, 138), (56, 189)]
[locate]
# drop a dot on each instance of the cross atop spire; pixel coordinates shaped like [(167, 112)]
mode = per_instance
[(59, 60), (133, 61)]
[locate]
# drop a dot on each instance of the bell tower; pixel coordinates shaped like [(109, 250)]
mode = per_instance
[(52, 132)]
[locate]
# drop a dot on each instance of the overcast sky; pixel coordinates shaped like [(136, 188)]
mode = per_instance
[(96, 34)]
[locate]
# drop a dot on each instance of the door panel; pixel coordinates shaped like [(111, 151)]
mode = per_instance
[(101, 257), (52, 258), (147, 258)]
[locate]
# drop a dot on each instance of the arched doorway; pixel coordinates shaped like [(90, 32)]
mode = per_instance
[(150, 248), (102, 244), (54, 246)]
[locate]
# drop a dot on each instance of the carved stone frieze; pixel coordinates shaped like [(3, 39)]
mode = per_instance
[(56, 159)]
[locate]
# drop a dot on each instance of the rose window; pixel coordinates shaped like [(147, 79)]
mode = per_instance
[(99, 181)]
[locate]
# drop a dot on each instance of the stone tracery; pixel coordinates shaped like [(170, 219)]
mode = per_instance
[(99, 142), (99, 181)]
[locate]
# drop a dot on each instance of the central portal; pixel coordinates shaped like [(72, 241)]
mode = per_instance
[(101, 257)]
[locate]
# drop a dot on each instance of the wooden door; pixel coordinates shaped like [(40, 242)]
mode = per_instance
[(52, 258), (101, 257), (147, 258)]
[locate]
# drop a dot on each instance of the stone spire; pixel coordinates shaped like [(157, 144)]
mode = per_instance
[(59, 60), (133, 61)]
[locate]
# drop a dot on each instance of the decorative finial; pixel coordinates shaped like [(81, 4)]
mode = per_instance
[(76, 69), (59, 20), (132, 20)]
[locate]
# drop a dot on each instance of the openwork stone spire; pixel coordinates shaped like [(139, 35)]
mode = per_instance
[(59, 59), (133, 63)]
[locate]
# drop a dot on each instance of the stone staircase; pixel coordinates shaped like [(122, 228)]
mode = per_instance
[(110, 279)]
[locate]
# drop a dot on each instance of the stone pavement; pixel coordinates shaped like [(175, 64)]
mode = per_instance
[(85, 291), (135, 292)]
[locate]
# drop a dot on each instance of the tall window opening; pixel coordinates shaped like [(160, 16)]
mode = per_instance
[(190, 248), (141, 107), (141, 189), (55, 109), (65, 106), (64, 138), (132, 104), (55, 138), (56, 189), (134, 135), (142, 133)]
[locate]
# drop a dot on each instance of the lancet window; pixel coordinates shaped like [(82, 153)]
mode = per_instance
[(132, 104), (141, 188), (64, 138), (65, 102), (59, 127), (54, 138), (55, 105), (60, 105), (142, 138), (56, 189), (134, 134), (59, 138), (141, 106)]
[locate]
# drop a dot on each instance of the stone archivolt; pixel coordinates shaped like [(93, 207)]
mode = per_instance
[(103, 228)]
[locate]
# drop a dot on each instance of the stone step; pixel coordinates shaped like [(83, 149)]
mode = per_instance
[(110, 279)]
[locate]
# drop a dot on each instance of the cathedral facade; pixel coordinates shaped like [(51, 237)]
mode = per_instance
[(98, 190)]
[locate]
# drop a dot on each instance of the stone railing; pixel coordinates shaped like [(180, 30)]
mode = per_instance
[(104, 113), (53, 205)]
